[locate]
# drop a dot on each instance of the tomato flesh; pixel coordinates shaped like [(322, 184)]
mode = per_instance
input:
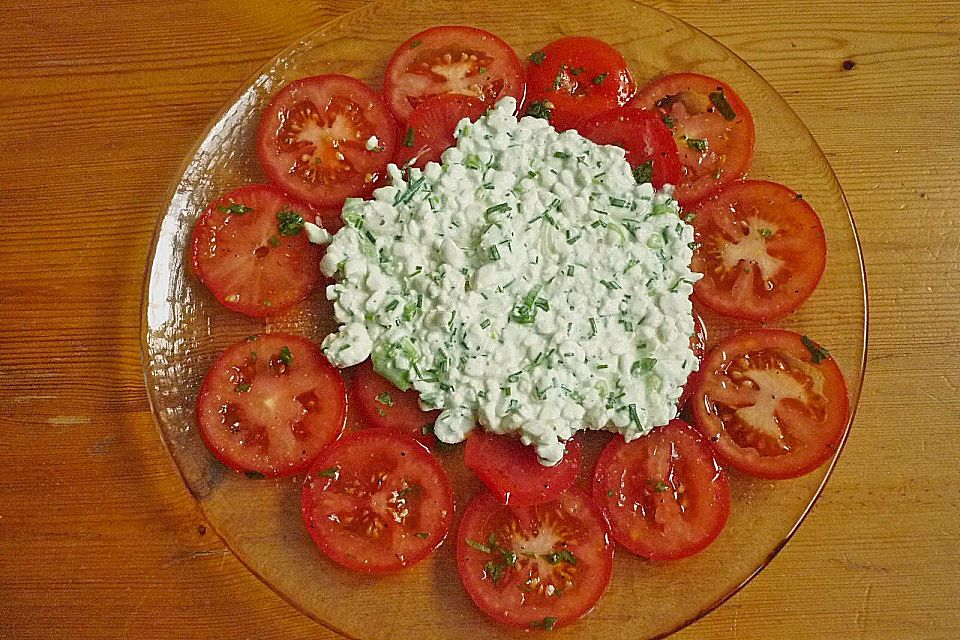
[(651, 149), (431, 126), (241, 254), (270, 404), (377, 502), (512, 470), (542, 566), (664, 494), (772, 403), (451, 60), (576, 78), (712, 126), (762, 251), (312, 139), (382, 405)]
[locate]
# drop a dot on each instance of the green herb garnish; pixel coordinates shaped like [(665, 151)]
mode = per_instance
[(234, 208), (644, 173), (700, 144), (537, 57), (290, 222), (817, 353), (598, 79), (285, 356), (720, 102), (540, 109)]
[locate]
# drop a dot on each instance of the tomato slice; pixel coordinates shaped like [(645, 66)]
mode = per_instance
[(542, 566), (577, 78), (762, 251), (713, 128), (512, 471), (698, 344), (377, 502), (269, 404), (382, 405), (649, 144), (430, 129), (314, 136), (773, 403), (250, 251), (451, 60), (664, 494)]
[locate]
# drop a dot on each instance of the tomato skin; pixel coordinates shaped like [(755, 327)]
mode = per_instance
[(397, 410), (644, 137), (766, 227), (769, 375), (312, 139), (664, 495), (377, 502), (698, 344), (684, 99), (431, 127), (283, 414), (580, 77), (512, 470), (495, 71), (571, 523), (244, 260)]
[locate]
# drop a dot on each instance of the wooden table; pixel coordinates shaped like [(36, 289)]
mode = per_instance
[(100, 101)]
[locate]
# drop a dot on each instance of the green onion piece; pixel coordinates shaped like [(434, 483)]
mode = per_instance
[(720, 102), (408, 138)]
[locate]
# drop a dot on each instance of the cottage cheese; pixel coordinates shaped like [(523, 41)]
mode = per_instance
[(527, 284)]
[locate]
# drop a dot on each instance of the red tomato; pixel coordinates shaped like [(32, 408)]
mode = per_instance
[(430, 129), (383, 405), (577, 78), (649, 144), (537, 567), (250, 250), (313, 136), (269, 404), (512, 470), (698, 343), (712, 126), (762, 251), (773, 403), (664, 494), (451, 60), (377, 502)]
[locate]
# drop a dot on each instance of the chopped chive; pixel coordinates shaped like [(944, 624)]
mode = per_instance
[(618, 202), (644, 173), (408, 138), (570, 270), (700, 144), (393, 305), (598, 79), (630, 265), (503, 206), (415, 44), (817, 353), (670, 122), (537, 57), (494, 253), (540, 109), (479, 546), (234, 208), (593, 327), (610, 284), (723, 106), (632, 409), (563, 155), (485, 323), (332, 472), (472, 161), (285, 356)]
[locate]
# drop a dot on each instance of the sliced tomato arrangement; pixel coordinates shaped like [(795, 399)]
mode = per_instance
[(698, 344), (512, 471), (772, 402), (451, 60), (314, 136), (431, 126), (533, 551), (712, 126), (762, 251), (537, 567), (664, 494), (575, 78), (382, 405), (377, 502), (270, 404), (249, 249), (651, 149)]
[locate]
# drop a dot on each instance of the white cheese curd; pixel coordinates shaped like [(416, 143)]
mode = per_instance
[(527, 284)]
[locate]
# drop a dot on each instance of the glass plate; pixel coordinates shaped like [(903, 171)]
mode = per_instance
[(184, 329)]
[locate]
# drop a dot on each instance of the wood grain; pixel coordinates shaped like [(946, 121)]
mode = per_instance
[(99, 103)]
